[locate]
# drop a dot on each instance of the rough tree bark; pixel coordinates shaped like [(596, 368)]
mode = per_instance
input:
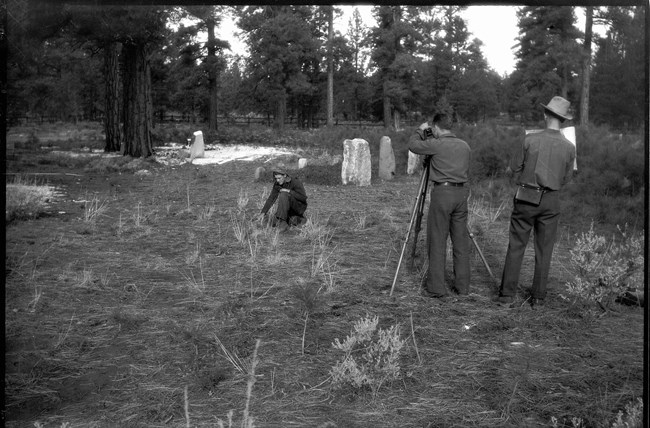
[(112, 100), (281, 110), (586, 67), (137, 101), (330, 68), (387, 105), (212, 74)]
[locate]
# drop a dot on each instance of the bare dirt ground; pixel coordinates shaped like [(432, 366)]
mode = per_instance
[(118, 321)]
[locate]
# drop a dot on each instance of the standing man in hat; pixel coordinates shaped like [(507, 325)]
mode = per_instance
[(544, 166), (449, 175), (292, 200)]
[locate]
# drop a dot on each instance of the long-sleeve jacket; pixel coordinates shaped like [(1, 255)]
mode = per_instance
[(450, 156), (296, 189), (546, 160)]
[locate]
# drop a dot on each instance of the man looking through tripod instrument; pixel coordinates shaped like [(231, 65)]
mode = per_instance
[(449, 174), (544, 166)]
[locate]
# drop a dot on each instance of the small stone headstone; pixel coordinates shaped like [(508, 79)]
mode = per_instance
[(414, 163), (259, 173), (197, 149), (386, 159), (302, 162), (356, 162)]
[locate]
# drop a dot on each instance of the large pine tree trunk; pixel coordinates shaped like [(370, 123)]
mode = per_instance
[(112, 98), (137, 101), (386, 97), (212, 75), (586, 67), (330, 68), (281, 110)]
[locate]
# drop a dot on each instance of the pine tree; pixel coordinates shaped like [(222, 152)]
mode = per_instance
[(548, 58), (618, 84)]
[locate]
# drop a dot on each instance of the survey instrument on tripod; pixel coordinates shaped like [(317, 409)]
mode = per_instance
[(415, 226), (416, 216)]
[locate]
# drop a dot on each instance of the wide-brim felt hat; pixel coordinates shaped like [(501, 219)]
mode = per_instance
[(558, 106)]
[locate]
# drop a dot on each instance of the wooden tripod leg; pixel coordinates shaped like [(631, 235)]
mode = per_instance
[(418, 220), (480, 253), (418, 203)]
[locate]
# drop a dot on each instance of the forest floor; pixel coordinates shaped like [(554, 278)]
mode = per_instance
[(154, 300)]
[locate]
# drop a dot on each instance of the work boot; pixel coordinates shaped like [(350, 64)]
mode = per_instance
[(282, 226), (537, 302), (507, 301)]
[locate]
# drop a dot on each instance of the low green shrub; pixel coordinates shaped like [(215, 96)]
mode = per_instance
[(605, 270), (371, 356), (632, 417)]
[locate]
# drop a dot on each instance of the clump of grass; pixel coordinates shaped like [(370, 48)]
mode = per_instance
[(323, 260), (263, 197), (238, 364), (26, 199), (247, 420), (194, 255), (93, 209), (242, 200), (206, 213), (254, 244), (360, 220), (192, 282), (135, 224), (307, 293), (324, 264), (239, 227), (318, 233), (38, 293)]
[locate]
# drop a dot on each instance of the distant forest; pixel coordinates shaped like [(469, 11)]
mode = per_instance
[(128, 66)]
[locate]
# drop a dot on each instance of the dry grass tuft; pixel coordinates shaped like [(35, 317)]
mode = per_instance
[(26, 199)]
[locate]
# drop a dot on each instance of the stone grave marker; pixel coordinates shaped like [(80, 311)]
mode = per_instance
[(197, 149), (356, 162), (386, 159)]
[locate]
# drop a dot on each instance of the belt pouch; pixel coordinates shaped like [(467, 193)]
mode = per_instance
[(529, 196)]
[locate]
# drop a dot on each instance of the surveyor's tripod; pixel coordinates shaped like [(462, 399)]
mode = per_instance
[(416, 225)]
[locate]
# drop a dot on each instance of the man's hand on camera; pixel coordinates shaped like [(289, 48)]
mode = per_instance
[(424, 126)]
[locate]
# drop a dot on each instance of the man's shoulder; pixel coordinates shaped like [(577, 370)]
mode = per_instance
[(461, 141)]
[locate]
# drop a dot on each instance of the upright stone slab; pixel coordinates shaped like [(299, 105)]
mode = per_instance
[(197, 150), (259, 173), (386, 159), (414, 163), (302, 162), (356, 162)]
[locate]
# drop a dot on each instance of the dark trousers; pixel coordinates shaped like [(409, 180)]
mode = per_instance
[(543, 219), (289, 206), (448, 216)]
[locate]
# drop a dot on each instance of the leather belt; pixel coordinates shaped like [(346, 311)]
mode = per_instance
[(447, 183)]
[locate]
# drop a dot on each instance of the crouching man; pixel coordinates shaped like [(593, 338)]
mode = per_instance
[(292, 201)]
